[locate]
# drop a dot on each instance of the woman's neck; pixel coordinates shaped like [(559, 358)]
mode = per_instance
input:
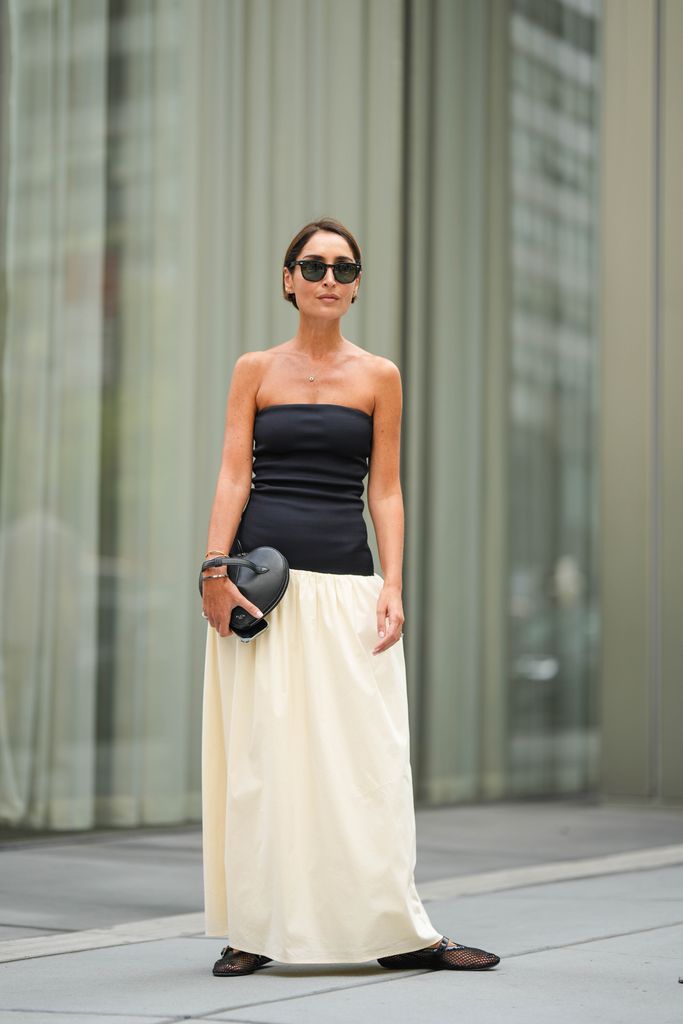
[(317, 338)]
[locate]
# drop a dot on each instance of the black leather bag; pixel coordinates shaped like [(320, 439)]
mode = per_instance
[(262, 575)]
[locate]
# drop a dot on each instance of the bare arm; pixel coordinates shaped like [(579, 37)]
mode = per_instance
[(232, 488), (385, 501)]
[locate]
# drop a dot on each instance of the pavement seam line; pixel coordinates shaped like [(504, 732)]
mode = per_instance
[(180, 925), (386, 978), (594, 938), (116, 1015), (553, 871)]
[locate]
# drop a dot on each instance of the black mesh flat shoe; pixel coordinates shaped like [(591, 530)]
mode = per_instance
[(449, 956), (238, 962)]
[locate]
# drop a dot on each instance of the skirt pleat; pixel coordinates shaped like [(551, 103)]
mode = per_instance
[(307, 798)]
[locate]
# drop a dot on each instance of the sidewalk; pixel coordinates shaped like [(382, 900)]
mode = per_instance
[(583, 902)]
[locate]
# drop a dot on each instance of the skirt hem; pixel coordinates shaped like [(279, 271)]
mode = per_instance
[(337, 956)]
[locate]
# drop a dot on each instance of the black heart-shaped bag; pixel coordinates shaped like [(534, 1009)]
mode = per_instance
[(262, 575)]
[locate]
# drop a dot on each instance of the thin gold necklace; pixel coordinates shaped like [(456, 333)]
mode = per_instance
[(311, 376)]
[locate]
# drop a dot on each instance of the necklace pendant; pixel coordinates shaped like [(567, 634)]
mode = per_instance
[(311, 378)]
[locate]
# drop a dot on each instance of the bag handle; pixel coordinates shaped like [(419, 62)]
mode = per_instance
[(212, 563)]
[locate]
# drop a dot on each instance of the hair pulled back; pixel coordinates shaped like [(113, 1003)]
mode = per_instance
[(302, 236)]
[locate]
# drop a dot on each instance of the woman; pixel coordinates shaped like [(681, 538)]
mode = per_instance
[(308, 817)]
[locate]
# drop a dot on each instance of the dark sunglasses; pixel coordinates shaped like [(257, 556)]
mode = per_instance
[(315, 270)]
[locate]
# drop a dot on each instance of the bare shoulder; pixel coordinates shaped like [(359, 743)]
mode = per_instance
[(248, 371), (379, 370), (251, 362), (259, 361), (386, 377), (386, 370)]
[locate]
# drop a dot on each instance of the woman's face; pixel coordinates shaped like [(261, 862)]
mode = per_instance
[(326, 299)]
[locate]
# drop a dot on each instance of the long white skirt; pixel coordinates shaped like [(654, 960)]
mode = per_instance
[(308, 816)]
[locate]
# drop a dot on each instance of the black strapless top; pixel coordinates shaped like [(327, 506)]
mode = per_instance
[(306, 498)]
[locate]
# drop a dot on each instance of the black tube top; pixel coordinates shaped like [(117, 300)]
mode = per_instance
[(310, 460)]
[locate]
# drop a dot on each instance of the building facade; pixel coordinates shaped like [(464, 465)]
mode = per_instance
[(512, 170)]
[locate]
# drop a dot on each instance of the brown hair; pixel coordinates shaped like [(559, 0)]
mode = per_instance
[(300, 239)]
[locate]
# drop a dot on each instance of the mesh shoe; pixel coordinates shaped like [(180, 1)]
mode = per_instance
[(234, 961), (449, 956)]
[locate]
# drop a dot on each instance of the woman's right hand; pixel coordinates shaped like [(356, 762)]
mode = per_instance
[(220, 596)]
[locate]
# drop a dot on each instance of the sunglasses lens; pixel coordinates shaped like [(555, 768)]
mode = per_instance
[(312, 270), (345, 273)]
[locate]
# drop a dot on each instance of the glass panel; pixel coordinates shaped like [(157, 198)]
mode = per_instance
[(553, 623), (96, 720)]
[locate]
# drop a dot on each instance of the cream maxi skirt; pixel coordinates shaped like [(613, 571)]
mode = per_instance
[(308, 817)]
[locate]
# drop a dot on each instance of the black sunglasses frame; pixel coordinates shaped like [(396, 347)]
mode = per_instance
[(345, 263)]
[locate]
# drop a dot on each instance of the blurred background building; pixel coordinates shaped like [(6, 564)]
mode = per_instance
[(513, 170)]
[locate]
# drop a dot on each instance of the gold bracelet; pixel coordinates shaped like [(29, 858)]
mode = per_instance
[(225, 553), (218, 576)]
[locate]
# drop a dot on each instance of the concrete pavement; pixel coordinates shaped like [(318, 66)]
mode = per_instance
[(583, 901)]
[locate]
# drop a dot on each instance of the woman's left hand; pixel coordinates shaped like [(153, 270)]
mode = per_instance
[(389, 618)]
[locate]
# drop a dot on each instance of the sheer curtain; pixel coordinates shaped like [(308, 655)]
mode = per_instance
[(99, 688), (148, 686), (54, 224)]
